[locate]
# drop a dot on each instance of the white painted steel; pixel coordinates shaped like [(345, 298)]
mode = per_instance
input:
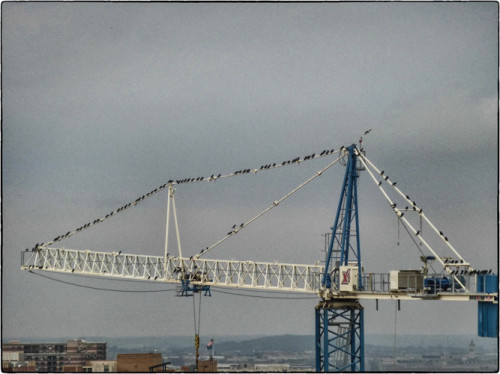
[(268, 276), (220, 273), (169, 195), (405, 221), (421, 214)]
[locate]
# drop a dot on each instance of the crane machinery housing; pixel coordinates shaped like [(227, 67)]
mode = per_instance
[(341, 283)]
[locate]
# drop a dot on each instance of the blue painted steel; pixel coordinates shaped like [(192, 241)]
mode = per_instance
[(326, 275), (188, 289), (326, 343), (348, 202), (358, 243), (344, 339), (339, 337), (317, 321), (487, 312), (344, 249), (362, 340)]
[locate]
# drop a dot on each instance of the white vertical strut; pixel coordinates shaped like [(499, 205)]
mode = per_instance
[(170, 193), (176, 225), (170, 197)]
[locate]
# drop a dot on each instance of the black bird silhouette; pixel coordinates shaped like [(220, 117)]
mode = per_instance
[(233, 226), (367, 132), (418, 232), (242, 224)]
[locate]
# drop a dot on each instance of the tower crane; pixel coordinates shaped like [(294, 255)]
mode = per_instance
[(341, 283)]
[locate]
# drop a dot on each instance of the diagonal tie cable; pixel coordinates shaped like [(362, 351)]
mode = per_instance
[(274, 204)]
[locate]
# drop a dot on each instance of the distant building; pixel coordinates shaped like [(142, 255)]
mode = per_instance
[(103, 366), (50, 357), (208, 366), (472, 349), (137, 362)]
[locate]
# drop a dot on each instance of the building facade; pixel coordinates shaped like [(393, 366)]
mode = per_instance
[(51, 357)]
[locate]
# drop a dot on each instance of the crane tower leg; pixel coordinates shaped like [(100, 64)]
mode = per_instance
[(339, 336)]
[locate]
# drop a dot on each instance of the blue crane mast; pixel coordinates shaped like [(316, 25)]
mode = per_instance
[(339, 322)]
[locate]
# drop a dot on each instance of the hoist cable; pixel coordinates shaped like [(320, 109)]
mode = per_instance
[(296, 160), (415, 242), (194, 317), (235, 230)]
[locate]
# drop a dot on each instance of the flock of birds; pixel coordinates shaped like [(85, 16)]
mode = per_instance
[(235, 228), (213, 177)]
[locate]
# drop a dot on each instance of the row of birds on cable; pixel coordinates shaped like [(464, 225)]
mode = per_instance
[(471, 272), (452, 261), (234, 230), (414, 206), (213, 177), (393, 184)]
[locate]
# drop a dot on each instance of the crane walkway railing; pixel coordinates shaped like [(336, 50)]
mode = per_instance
[(221, 273), (413, 284), (252, 275)]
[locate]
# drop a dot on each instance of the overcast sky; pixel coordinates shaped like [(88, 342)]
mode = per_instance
[(103, 102)]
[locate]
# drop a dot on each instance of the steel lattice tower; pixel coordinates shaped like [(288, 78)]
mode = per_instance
[(339, 323)]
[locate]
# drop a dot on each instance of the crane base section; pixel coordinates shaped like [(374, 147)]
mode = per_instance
[(339, 336)]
